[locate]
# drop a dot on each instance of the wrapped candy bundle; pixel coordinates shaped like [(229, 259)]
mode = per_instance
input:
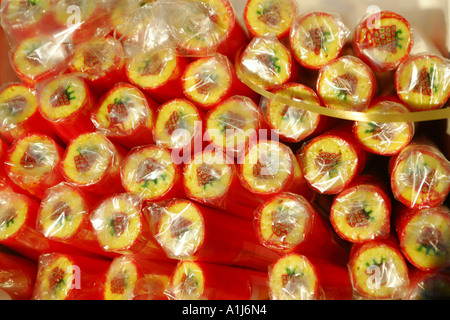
[(193, 280), (126, 116), (17, 277)]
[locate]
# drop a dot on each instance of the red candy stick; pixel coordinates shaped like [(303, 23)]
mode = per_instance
[(63, 276), (186, 230), (193, 280), (432, 285), (32, 163), (17, 276), (131, 277), (67, 102), (299, 277)]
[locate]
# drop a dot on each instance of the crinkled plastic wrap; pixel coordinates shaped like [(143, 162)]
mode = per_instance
[(121, 227), (43, 35), (429, 286), (267, 63), (422, 81), (378, 271), (232, 124), (193, 280), (63, 276), (190, 231), (66, 102), (33, 163), (17, 277), (269, 17), (362, 211), (424, 237), (383, 40), (92, 162), (63, 216), (384, 139), (346, 83), (131, 277), (150, 172), (179, 126), (101, 61), (125, 115), (317, 38), (299, 277), (290, 123), (287, 222), (420, 176), (19, 113), (210, 80), (331, 161)]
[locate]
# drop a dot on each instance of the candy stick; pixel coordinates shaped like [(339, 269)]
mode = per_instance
[(346, 83), (19, 113), (383, 40), (210, 80), (132, 277), (17, 276), (17, 228), (179, 125), (189, 231), (37, 58), (331, 161), (270, 167), (424, 237), (266, 62), (290, 123), (419, 176), (67, 102), (232, 124), (361, 212), (378, 270), (421, 82), (33, 163), (385, 139), (126, 116), (317, 38), (63, 216), (211, 178), (121, 227), (205, 27), (288, 223), (429, 285), (92, 163), (193, 280), (63, 276), (102, 60), (264, 17), (150, 172), (157, 73), (299, 277)]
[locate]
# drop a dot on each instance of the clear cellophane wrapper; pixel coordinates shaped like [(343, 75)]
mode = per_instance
[(378, 271), (420, 176), (422, 81), (44, 35), (362, 211), (125, 115), (320, 40), (384, 138)]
